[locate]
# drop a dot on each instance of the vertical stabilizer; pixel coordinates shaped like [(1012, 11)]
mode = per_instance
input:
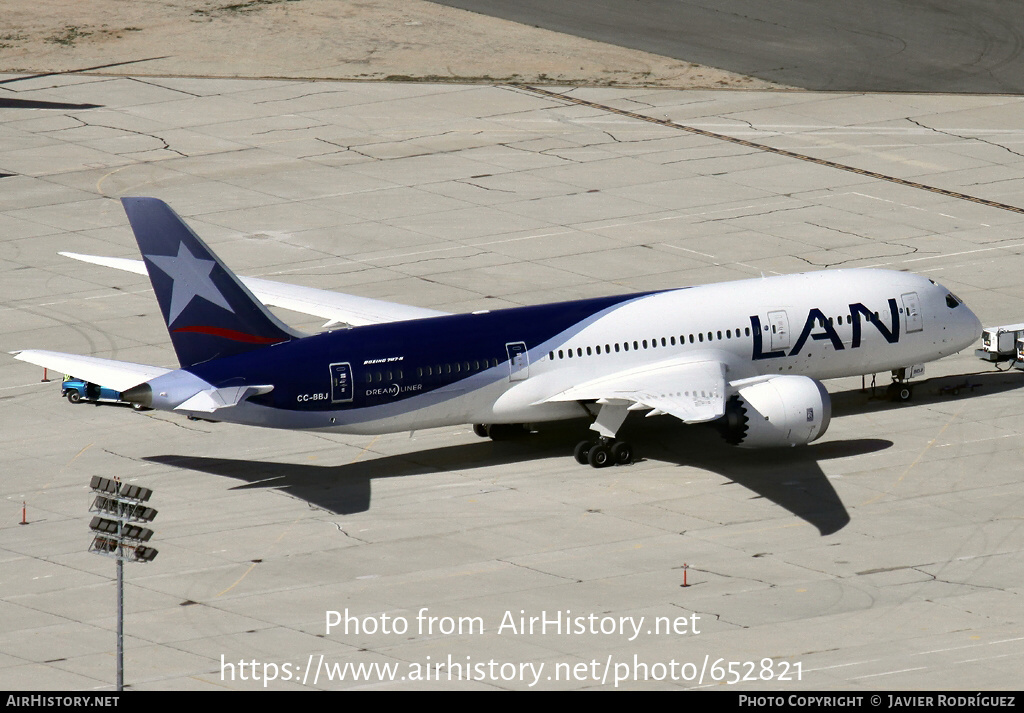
[(209, 312)]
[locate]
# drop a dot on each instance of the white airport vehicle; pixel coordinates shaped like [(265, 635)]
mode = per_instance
[(999, 343)]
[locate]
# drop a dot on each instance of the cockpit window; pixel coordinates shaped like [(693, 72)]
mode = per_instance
[(953, 301)]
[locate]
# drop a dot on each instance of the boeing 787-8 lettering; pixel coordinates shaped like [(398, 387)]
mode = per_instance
[(748, 355)]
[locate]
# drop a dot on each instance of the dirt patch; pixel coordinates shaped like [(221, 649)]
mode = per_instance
[(406, 40)]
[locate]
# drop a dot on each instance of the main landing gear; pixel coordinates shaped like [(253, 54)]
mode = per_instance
[(603, 452), (604, 449), (600, 450)]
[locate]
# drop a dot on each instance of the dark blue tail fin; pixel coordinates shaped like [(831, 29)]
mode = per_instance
[(209, 312)]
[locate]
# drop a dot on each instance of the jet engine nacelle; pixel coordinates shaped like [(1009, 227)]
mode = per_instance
[(779, 411)]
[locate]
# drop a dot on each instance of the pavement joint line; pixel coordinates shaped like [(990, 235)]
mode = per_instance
[(771, 149)]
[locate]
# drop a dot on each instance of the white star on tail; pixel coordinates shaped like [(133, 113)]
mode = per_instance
[(191, 279)]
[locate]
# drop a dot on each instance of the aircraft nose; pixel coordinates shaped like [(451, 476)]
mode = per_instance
[(970, 327)]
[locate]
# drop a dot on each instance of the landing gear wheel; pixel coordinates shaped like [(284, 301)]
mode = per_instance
[(74, 397), (899, 392), (600, 456), (480, 429), (622, 453), (582, 451)]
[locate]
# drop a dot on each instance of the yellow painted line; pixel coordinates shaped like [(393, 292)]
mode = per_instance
[(917, 460), (251, 568), (108, 175), (78, 454), (367, 448)]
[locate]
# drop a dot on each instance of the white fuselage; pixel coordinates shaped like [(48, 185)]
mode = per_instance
[(821, 325)]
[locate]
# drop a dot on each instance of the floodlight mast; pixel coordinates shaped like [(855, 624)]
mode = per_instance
[(117, 535)]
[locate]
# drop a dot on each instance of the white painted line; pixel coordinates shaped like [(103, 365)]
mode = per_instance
[(889, 673), (841, 665)]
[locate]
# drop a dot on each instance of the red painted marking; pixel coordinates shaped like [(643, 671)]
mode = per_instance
[(231, 334)]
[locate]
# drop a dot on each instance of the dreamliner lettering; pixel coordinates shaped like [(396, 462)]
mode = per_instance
[(394, 390), (816, 319)]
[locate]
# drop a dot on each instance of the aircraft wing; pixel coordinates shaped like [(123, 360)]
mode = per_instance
[(335, 307), (119, 375), (692, 390)]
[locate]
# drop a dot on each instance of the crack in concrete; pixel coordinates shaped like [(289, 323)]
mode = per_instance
[(161, 86), (965, 138), (477, 185), (909, 250), (347, 534), (297, 128), (718, 617), (539, 571), (175, 423), (87, 124)]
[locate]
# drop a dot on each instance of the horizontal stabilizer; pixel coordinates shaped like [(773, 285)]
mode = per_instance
[(335, 307), (211, 400), (119, 375)]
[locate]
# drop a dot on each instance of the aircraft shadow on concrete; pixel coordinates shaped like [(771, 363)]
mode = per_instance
[(789, 477), (346, 489), (12, 103)]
